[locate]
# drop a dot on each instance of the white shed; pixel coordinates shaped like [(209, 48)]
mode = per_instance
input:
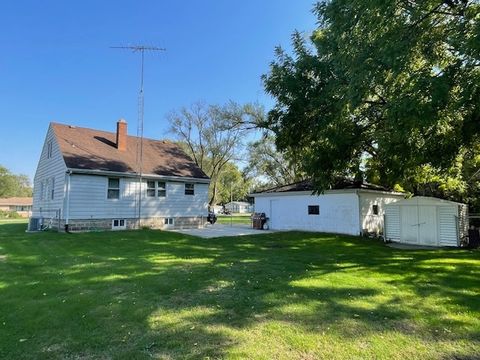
[(426, 221), (349, 208)]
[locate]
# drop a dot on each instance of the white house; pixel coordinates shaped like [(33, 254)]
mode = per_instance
[(89, 179), (426, 221), (240, 207), (349, 208)]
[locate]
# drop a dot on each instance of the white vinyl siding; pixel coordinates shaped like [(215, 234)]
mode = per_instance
[(448, 232), (88, 199), (392, 223), (50, 174)]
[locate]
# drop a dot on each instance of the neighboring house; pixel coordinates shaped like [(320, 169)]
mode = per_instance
[(89, 179), (21, 205), (240, 207), (348, 208), (426, 221)]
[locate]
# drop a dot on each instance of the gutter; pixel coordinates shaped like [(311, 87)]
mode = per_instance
[(135, 175)]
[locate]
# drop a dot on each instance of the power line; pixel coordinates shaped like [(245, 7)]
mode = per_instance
[(141, 108)]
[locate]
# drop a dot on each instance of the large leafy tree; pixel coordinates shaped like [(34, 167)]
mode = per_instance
[(13, 185), (269, 166), (385, 87), (213, 135)]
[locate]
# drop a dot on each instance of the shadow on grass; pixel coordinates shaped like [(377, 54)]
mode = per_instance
[(151, 293)]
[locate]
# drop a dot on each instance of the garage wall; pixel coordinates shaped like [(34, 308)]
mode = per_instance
[(339, 213), (370, 221)]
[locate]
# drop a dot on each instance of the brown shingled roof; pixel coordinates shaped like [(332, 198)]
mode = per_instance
[(16, 201), (306, 185), (89, 149)]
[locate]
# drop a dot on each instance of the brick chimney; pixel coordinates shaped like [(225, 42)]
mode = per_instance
[(122, 135)]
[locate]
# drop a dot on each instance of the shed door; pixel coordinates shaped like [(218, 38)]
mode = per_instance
[(428, 225), (409, 232)]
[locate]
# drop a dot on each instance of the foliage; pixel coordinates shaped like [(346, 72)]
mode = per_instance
[(158, 294), (232, 184), (9, 215), (273, 167), (12, 185), (390, 85), (213, 135)]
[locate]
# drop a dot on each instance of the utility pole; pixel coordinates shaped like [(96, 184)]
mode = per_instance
[(141, 49)]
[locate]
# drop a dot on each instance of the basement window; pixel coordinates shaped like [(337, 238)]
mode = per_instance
[(313, 209), (113, 191), (168, 221), (189, 189), (119, 224)]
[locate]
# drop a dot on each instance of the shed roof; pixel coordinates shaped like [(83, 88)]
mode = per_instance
[(424, 200), (89, 149)]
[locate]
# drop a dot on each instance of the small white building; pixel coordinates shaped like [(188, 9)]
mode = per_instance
[(426, 221), (240, 207), (350, 208)]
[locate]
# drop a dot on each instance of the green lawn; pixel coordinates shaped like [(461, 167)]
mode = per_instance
[(151, 294), (235, 219)]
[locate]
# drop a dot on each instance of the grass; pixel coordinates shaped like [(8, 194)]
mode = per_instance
[(152, 294), (236, 219)]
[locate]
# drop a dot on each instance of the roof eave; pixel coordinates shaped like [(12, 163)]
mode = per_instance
[(136, 175)]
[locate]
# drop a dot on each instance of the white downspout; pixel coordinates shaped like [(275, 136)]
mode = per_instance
[(67, 199)]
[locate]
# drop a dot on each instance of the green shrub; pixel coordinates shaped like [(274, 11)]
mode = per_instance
[(9, 215)]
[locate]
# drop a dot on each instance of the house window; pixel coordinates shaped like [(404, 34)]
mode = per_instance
[(49, 149), (52, 190), (168, 221), (113, 191), (313, 210), (42, 190), (375, 209), (150, 188), (118, 224), (189, 189), (161, 189), (156, 188)]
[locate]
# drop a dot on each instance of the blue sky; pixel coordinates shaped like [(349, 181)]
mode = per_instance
[(56, 64)]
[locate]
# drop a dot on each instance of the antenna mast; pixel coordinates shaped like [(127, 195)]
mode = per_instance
[(141, 49)]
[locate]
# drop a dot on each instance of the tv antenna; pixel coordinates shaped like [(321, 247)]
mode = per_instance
[(141, 109)]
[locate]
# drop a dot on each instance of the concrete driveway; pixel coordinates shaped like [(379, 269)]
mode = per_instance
[(222, 230)]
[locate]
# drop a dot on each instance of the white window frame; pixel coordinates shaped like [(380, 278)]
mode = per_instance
[(52, 190), (113, 188), (161, 189), (156, 189), (42, 190), (192, 189), (151, 189), (49, 149), (169, 222), (121, 224)]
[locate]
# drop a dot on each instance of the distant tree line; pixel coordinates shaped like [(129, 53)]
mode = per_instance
[(12, 185)]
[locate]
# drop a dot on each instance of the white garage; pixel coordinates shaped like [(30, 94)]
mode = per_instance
[(350, 208), (426, 221)]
